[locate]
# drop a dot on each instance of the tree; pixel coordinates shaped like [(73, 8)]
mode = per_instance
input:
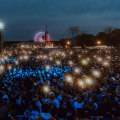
[(115, 37), (110, 36), (85, 40), (74, 31), (108, 30), (64, 42), (104, 37)]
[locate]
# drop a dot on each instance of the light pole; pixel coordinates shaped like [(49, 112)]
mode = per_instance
[(1, 35)]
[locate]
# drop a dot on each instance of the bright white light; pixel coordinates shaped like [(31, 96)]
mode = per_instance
[(9, 67), (44, 57), (10, 54), (94, 56), (88, 81), (2, 60), (109, 57), (84, 62), (37, 57), (98, 42), (2, 26), (6, 57), (20, 57), (68, 42), (46, 89), (99, 59), (51, 59), (69, 79), (71, 53), (79, 56), (106, 64), (80, 83), (77, 70), (26, 57), (58, 63), (16, 62), (47, 67), (22, 46), (70, 62), (1, 68), (96, 73), (88, 59)]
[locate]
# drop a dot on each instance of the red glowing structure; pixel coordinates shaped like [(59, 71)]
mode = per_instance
[(42, 37)]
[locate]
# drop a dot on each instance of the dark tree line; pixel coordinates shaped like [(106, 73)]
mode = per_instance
[(110, 36)]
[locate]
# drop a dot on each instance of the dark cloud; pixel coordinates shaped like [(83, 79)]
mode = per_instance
[(24, 18)]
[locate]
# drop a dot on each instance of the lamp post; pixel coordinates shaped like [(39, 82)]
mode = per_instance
[(1, 34)]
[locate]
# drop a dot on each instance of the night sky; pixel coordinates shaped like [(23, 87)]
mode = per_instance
[(23, 18)]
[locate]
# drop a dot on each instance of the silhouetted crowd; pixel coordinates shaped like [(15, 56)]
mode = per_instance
[(22, 93)]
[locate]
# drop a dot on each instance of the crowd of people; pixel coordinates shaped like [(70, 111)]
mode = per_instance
[(59, 84)]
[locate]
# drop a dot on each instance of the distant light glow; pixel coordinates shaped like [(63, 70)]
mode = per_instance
[(106, 64), (47, 67), (89, 80), (9, 67), (16, 62), (40, 37), (99, 42), (70, 62), (99, 59), (58, 62), (69, 79), (2, 68), (108, 57), (80, 83), (96, 73), (77, 70), (26, 57), (2, 26), (46, 89), (84, 62)]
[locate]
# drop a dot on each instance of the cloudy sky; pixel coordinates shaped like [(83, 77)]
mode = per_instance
[(24, 18)]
